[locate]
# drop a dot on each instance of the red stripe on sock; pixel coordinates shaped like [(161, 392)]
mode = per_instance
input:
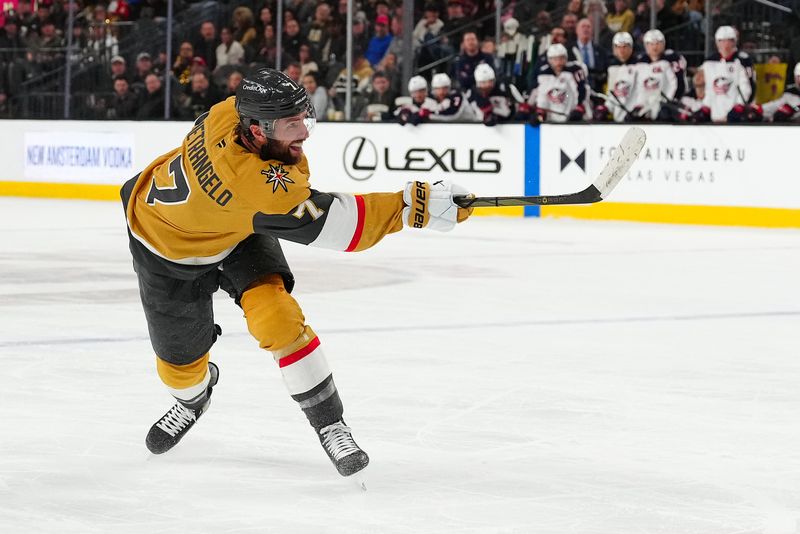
[(299, 354), (359, 224)]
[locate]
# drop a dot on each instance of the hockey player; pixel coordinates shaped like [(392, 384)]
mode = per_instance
[(208, 215), (730, 79), (489, 101), (450, 104), (787, 107), (415, 108), (692, 101), (660, 79), (559, 92), (621, 88)]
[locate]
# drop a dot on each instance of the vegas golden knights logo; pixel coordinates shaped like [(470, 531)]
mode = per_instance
[(278, 177)]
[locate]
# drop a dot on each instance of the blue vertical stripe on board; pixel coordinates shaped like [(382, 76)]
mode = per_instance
[(532, 145)]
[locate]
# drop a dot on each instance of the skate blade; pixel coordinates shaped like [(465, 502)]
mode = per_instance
[(359, 480)]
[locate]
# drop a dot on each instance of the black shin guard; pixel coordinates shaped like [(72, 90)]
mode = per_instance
[(321, 404)]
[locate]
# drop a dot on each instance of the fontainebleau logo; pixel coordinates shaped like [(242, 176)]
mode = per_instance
[(580, 160), (278, 177), (361, 159)]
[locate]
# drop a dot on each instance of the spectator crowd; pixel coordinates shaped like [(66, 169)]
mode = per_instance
[(555, 60)]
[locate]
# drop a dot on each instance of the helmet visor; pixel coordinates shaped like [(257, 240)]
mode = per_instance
[(293, 128)]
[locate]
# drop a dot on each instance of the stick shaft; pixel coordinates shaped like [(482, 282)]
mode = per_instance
[(587, 196)]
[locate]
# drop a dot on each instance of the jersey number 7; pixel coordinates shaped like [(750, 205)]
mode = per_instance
[(177, 194)]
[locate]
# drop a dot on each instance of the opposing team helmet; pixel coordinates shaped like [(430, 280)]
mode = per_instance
[(441, 80), (417, 83), (622, 39), (511, 26), (654, 36), (267, 96), (556, 50), (725, 32), (483, 73)]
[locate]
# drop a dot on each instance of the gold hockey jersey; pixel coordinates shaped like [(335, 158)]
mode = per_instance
[(194, 204)]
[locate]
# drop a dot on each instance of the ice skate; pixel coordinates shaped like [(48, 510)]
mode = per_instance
[(170, 429), (338, 443)]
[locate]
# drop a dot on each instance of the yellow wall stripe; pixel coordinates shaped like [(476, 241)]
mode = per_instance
[(505, 211), (674, 213), (58, 190), (662, 213), (111, 192)]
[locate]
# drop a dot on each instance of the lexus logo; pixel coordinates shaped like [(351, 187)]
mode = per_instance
[(580, 160), (360, 158)]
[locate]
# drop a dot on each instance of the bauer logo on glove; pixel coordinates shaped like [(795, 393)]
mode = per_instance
[(420, 200), (431, 205)]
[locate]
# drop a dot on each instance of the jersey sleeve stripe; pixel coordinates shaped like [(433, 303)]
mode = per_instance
[(359, 225), (341, 223)]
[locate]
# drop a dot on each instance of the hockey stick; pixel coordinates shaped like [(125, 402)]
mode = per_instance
[(675, 105), (515, 93), (741, 94), (520, 100), (619, 103), (621, 160)]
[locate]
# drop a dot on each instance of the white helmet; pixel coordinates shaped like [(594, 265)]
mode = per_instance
[(556, 50), (417, 83), (797, 70), (725, 32), (440, 80), (483, 73), (511, 26), (654, 36), (622, 39)]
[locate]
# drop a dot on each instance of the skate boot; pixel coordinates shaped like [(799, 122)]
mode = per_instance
[(168, 431), (338, 443)]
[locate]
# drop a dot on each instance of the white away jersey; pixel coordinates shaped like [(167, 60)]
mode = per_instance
[(559, 94), (657, 81), (729, 81), (621, 88), (453, 107), (791, 97), (406, 103), (496, 103)]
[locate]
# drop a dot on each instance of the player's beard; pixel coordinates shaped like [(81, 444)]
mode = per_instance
[(279, 150)]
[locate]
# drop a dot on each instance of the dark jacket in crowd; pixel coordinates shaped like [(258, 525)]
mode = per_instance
[(199, 103), (152, 107), (599, 72), (208, 51), (464, 68), (126, 107)]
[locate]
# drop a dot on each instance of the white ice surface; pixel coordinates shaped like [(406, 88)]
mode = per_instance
[(514, 376)]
